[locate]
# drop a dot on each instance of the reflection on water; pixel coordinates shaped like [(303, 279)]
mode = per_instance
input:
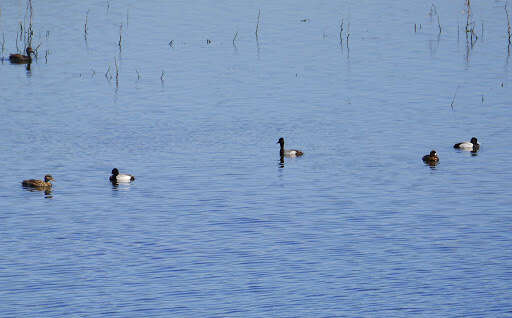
[(120, 186), (47, 191), (432, 165), (281, 161)]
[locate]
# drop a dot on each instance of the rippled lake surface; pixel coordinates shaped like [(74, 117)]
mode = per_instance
[(214, 225)]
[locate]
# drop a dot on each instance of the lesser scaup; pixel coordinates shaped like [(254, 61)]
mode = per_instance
[(288, 152), (472, 145), (118, 177)]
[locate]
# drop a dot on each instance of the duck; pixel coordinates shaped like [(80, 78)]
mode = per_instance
[(431, 158), (118, 177), (288, 152), (472, 145), (39, 183), (20, 58)]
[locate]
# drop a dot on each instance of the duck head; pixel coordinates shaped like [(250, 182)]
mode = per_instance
[(48, 178)]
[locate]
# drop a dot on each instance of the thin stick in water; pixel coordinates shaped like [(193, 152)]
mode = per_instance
[(508, 23), (120, 43), (235, 38), (341, 32), (454, 95), (108, 76), (85, 25), (117, 72), (258, 23)]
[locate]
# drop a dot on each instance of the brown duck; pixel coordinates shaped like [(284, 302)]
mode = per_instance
[(38, 183), (20, 58), (431, 159)]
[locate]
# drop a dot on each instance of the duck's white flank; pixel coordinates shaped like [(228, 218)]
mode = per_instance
[(123, 178), (466, 145)]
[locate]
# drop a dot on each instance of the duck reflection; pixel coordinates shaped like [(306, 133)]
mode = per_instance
[(47, 191), (281, 161), (120, 186)]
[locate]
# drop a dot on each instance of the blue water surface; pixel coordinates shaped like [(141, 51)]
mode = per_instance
[(214, 224)]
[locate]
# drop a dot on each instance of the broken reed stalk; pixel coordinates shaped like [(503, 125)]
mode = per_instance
[(432, 12), (509, 35), (348, 33), (341, 31), (120, 43), (471, 36), (258, 24), (235, 38), (117, 72), (30, 32), (468, 15), (108, 76), (20, 36), (454, 95), (85, 25)]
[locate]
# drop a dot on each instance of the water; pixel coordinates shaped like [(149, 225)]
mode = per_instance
[(213, 225)]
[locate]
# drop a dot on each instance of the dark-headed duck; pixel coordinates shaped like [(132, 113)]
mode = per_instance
[(431, 158), (118, 177), (472, 145), (288, 152)]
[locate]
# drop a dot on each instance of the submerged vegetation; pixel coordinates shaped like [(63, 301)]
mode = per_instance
[(26, 35)]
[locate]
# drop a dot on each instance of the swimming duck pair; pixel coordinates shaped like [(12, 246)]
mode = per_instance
[(116, 177), (471, 145)]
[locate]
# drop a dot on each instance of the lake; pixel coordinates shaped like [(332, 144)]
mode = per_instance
[(191, 98)]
